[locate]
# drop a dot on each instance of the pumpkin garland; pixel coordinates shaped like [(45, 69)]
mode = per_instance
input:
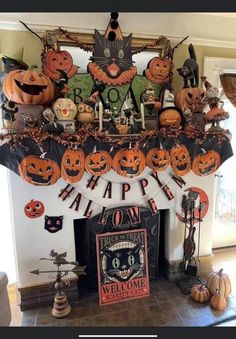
[(180, 160), (129, 162), (72, 165), (158, 159), (98, 163), (206, 163)]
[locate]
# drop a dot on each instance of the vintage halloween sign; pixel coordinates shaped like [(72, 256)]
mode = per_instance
[(122, 266)]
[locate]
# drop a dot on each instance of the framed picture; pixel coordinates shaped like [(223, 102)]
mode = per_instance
[(122, 266)]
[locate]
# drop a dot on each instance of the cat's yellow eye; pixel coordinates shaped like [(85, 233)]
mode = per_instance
[(107, 53), (121, 53)]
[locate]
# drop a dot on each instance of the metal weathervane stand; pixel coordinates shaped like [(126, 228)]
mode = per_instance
[(61, 307)]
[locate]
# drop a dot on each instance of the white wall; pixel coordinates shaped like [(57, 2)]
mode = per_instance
[(33, 242)]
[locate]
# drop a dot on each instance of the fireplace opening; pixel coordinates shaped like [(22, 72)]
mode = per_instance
[(85, 231)]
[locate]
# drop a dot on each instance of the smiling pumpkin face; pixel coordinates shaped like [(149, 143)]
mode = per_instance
[(98, 163), (65, 109), (158, 159), (56, 61), (180, 160), (39, 171), (169, 117), (191, 98), (159, 70), (28, 87), (34, 209), (72, 165), (206, 163), (129, 162)]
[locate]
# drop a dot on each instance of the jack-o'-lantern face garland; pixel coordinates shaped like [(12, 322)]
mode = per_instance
[(159, 70), (98, 163), (39, 171), (158, 159), (72, 165), (206, 163), (129, 162), (180, 160), (34, 209)]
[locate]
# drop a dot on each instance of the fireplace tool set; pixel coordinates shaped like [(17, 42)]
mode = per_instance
[(61, 307), (191, 264)]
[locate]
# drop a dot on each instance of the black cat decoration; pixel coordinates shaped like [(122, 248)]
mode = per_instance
[(112, 62), (190, 70), (53, 224), (123, 263)]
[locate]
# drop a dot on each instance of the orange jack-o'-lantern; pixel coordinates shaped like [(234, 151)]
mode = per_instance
[(191, 98), (65, 109), (129, 162), (170, 116), (28, 87), (158, 159), (72, 165), (180, 160), (34, 209), (59, 61), (206, 163), (39, 171), (98, 163), (159, 70)]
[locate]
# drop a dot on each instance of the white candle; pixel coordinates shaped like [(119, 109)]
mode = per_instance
[(142, 115), (100, 115)]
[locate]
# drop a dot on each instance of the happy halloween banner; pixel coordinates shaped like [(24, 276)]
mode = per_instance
[(43, 163)]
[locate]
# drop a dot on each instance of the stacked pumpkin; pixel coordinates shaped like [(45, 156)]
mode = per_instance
[(217, 290)]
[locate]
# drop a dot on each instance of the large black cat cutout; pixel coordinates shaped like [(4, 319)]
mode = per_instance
[(190, 70), (112, 60), (122, 264)]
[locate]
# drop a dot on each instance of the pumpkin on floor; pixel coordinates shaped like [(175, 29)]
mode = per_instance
[(180, 160), (28, 87), (220, 281), (200, 293), (218, 301)]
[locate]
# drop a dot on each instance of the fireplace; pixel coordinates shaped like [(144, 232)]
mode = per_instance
[(118, 219)]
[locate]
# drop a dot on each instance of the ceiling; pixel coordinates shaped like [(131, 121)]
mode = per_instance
[(212, 29)]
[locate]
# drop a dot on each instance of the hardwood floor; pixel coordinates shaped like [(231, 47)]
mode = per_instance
[(223, 258)]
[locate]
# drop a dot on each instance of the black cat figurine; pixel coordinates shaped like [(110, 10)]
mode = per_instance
[(190, 70), (53, 224), (123, 263)]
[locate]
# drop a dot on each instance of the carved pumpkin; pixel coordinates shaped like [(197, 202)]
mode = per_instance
[(158, 159), (200, 293), (98, 163), (180, 160), (39, 171), (65, 109), (220, 281), (159, 70), (206, 163), (129, 162), (170, 116), (72, 165), (191, 98), (34, 209), (28, 87), (56, 62), (218, 301)]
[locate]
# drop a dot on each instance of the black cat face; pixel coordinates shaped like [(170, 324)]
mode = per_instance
[(123, 263), (113, 57), (53, 224)]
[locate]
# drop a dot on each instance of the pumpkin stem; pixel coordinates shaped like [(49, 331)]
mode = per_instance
[(220, 271)]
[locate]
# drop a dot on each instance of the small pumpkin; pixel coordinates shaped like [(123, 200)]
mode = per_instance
[(28, 87), (180, 160), (72, 165), (170, 116), (129, 162), (65, 109), (206, 163), (220, 281), (200, 293), (39, 171), (158, 159), (98, 163), (122, 129), (34, 209), (59, 61), (159, 70), (191, 98), (218, 301)]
